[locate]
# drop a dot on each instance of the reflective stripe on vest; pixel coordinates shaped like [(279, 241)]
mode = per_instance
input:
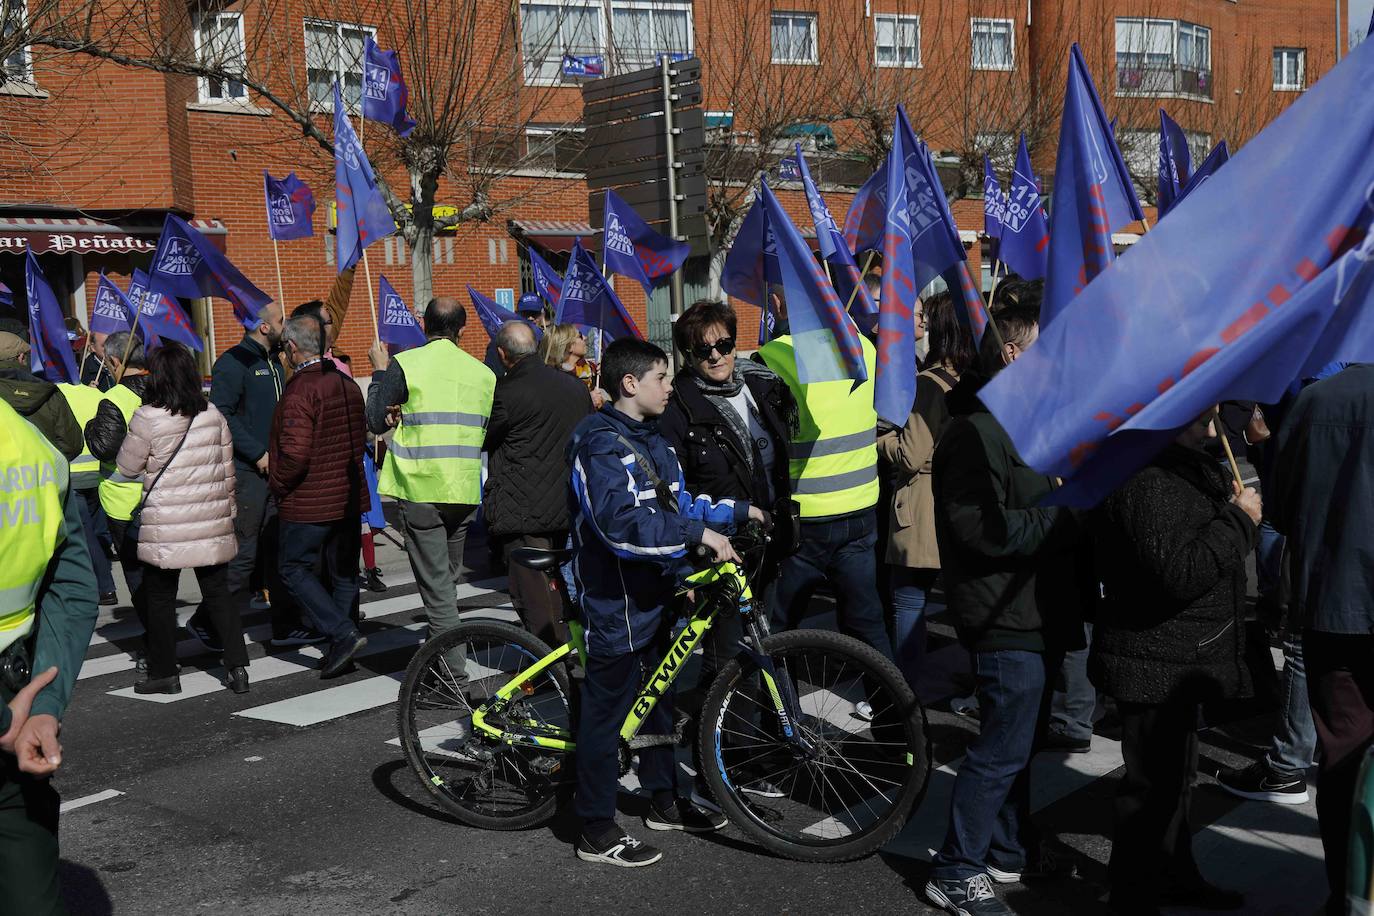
[(833, 459), (84, 402), (33, 483), (119, 496), (436, 453)]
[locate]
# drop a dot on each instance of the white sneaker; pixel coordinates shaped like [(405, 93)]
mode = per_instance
[(864, 710)]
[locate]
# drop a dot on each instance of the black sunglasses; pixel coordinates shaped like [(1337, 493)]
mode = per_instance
[(725, 346)]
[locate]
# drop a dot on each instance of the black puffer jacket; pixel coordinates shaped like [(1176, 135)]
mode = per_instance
[(533, 414), (1171, 551), (105, 434)]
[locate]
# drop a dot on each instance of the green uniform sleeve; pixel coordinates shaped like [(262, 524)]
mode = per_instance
[(66, 614)]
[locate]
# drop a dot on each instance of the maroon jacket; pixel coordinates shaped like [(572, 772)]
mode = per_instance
[(315, 455)]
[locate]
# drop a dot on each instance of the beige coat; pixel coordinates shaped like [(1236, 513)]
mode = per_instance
[(909, 450), (188, 518)]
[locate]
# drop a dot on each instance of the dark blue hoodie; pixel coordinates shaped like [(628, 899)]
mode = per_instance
[(630, 547)]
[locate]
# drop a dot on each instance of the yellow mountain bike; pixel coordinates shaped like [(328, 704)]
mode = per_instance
[(487, 716)]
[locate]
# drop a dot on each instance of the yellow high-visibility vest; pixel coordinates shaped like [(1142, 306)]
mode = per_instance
[(833, 458), (436, 453), (33, 484), (119, 497), (84, 402)]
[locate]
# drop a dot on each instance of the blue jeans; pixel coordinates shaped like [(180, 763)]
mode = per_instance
[(989, 813), (1268, 557), (1072, 708), (302, 545), (843, 552), (1295, 735), (910, 588)]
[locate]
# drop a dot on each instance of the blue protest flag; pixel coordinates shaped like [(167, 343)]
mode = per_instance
[(994, 203), (290, 207), (894, 390), (1193, 318), (618, 252), (1175, 162), (160, 317), (363, 216), (50, 352), (396, 326), (1025, 242), (1215, 160), (6, 295), (188, 265), (547, 282), (845, 275), (587, 299), (826, 342), (384, 90), (1093, 194), (751, 265), (492, 314), (658, 254), (112, 311)]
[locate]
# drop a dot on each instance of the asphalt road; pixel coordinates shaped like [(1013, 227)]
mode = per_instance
[(290, 800)]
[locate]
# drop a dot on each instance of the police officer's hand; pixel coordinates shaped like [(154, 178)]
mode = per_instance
[(19, 708), (37, 748), (719, 546), (377, 355), (393, 415)]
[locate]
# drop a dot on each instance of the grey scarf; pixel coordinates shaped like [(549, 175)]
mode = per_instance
[(719, 395)]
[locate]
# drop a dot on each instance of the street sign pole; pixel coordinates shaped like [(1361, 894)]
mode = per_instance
[(675, 290)]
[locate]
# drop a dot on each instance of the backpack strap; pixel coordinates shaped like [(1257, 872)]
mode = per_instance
[(661, 488)]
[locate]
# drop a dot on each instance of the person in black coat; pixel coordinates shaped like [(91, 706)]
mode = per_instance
[(1171, 545), (533, 414)]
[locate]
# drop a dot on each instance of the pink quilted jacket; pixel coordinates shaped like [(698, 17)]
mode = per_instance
[(188, 519)]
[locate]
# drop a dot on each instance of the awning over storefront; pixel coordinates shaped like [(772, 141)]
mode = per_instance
[(81, 235), (554, 234)]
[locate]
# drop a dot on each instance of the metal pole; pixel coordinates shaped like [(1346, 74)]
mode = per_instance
[(670, 145)]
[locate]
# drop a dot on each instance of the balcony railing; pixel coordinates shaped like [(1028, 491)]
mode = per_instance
[(1164, 81)]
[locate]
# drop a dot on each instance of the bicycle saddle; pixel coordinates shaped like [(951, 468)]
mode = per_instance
[(539, 559)]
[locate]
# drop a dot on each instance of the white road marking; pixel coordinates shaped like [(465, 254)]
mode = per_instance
[(85, 800), (333, 703)]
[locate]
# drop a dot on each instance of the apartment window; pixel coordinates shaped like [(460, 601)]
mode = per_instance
[(1290, 69), (641, 31), (16, 66), (219, 44), (794, 38), (334, 51), (551, 28), (993, 44), (1163, 57), (897, 41), (542, 146)]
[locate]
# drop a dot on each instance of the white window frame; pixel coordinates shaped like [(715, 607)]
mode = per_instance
[(545, 131), (1298, 56), (339, 72), (202, 82), (1182, 26), (624, 63), (531, 71), (898, 21), (974, 23), (812, 19), (1177, 28), (23, 54)]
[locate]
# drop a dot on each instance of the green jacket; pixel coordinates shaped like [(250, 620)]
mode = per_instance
[(42, 404), (996, 542)]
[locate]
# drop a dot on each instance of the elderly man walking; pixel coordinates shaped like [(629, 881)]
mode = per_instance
[(533, 414), (439, 399), (315, 471)]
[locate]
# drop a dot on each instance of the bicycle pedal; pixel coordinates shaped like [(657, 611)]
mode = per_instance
[(544, 765)]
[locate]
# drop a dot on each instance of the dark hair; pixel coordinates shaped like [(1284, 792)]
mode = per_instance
[(311, 308), (949, 341), (1015, 323), (444, 317), (1020, 293), (690, 329), (628, 357), (174, 381)]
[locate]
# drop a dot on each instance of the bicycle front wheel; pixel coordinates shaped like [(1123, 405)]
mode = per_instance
[(847, 782), (480, 780)]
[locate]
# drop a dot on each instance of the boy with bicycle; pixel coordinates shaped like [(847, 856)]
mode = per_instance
[(633, 523)]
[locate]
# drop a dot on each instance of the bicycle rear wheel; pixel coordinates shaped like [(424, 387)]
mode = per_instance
[(480, 780), (852, 784)]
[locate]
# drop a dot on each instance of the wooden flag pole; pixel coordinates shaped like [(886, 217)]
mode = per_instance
[(996, 263), (1226, 445), (85, 352), (863, 274), (133, 332), (281, 290)]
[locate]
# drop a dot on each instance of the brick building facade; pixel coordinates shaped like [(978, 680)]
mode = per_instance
[(97, 153)]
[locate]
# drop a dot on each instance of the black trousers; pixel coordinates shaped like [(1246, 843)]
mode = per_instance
[(160, 600), (540, 606), (1152, 845), (256, 527), (28, 842), (129, 563), (1340, 684)]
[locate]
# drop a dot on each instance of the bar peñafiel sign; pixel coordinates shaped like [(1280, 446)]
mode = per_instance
[(82, 235)]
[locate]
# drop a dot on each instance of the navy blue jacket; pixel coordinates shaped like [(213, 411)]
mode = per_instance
[(246, 383), (630, 548)]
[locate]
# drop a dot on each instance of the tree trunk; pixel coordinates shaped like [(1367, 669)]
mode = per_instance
[(423, 188)]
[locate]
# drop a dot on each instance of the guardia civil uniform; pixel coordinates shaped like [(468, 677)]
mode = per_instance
[(47, 614)]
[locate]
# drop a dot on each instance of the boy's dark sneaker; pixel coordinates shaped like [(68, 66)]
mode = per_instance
[(683, 815), (624, 851), (301, 636), (340, 655), (1045, 865), (1259, 783), (970, 897)]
